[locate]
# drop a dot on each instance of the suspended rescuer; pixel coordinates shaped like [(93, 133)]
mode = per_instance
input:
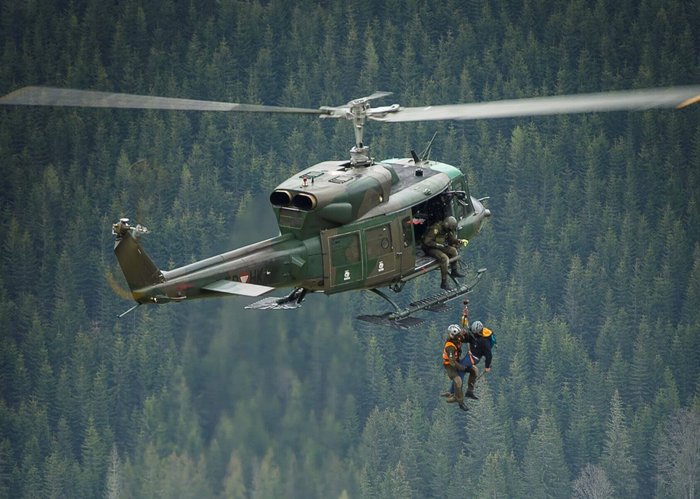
[(441, 242), (451, 353), (481, 340), (467, 361)]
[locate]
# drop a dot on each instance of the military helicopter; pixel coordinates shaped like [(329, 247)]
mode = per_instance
[(344, 225)]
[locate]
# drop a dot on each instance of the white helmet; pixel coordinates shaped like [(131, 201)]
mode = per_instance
[(453, 331), (477, 327)]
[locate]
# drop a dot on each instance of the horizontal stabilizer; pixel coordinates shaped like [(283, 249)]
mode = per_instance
[(238, 288)]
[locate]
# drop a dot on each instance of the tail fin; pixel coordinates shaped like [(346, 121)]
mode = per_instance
[(139, 270)]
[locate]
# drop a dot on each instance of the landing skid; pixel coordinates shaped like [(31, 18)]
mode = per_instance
[(292, 300), (401, 318)]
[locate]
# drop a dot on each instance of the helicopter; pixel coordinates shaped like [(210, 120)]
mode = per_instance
[(344, 225)]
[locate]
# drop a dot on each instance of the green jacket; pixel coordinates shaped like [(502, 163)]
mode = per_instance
[(437, 236)]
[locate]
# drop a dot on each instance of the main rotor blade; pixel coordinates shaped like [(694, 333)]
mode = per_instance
[(51, 96), (628, 100), (378, 95)]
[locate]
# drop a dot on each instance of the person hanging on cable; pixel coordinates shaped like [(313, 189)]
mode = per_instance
[(454, 369), (481, 341)]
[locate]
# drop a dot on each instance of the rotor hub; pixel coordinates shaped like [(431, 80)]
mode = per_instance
[(358, 111)]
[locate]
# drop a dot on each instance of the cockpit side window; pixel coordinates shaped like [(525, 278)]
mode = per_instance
[(460, 205)]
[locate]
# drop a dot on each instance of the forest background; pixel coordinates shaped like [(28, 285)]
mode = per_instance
[(593, 255)]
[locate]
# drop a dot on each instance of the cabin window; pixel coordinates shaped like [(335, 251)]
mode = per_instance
[(459, 207), (345, 249), (378, 241)]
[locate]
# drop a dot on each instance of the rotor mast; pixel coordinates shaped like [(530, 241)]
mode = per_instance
[(357, 111), (359, 154)]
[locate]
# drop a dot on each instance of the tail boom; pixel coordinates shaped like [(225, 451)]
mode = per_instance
[(250, 271)]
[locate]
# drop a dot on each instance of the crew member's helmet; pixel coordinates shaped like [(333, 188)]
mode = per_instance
[(453, 331), (477, 327), (450, 223)]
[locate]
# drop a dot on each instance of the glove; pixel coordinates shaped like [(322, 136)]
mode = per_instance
[(464, 242)]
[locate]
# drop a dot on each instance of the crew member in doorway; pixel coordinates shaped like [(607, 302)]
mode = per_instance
[(441, 242)]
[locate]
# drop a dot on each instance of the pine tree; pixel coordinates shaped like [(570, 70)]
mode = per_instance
[(395, 484), (691, 312), (114, 488), (574, 293), (500, 477), (490, 423), (441, 447), (376, 376), (5, 465), (584, 431), (617, 453), (374, 448), (687, 354), (266, 478), (234, 483), (185, 477), (94, 462), (544, 470)]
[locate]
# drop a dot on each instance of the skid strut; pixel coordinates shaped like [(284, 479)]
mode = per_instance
[(401, 318)]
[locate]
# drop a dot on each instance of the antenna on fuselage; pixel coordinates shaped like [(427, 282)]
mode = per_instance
[(423, 158)]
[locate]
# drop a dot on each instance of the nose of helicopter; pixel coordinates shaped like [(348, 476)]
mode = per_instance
[(470, 226), (480, 211)]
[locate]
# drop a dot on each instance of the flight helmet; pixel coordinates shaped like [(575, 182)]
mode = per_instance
[(454, 331), (450, 223)]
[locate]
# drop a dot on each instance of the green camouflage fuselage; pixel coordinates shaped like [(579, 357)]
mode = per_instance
[(341, 228)]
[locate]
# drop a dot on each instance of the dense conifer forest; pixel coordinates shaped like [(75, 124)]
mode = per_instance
[(593, 254)]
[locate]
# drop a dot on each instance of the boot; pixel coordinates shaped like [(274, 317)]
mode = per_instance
[(444, 285), (455, 272), (471, 395), (463, 406)]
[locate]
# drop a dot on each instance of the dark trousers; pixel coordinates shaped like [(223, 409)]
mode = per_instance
[(443, 256)]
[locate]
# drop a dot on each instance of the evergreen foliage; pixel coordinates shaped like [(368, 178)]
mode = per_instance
[(593, 254)]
